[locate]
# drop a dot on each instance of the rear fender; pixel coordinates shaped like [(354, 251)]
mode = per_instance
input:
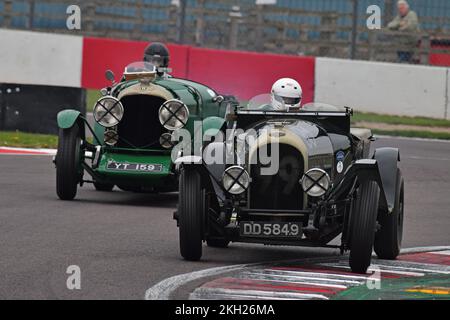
[(387, 159)]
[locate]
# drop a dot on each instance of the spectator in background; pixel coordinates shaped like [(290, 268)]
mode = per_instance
[(405, 21)]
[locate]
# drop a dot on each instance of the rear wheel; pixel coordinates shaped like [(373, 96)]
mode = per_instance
[(68, 173), (106, 187), (388, 240), (190, 211), (363, 224)]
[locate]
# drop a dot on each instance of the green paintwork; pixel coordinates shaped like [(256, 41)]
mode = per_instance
[(99, 131), (213, 125), (195, 97), (67, 118), (202, 107), (135, 177)]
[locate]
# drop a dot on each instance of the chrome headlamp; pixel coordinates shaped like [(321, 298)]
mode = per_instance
[(108, 111), (236, 180), (111, 137), (173, 114), (316, 182), (166, 141)]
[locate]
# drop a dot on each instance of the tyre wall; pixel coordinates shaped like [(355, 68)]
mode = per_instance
[(40, 74)]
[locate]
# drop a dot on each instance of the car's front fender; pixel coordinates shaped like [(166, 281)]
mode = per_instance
[(212, 125), (363, 170), (67, 118)]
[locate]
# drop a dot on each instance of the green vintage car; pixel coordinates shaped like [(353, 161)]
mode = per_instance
[(131, 145)]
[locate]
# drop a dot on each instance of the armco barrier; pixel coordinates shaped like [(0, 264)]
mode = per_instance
[(246, 74), (385, 88), (33, 108), (100, 55)]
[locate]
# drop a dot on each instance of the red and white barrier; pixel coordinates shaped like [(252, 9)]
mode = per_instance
[(243, 74), (100, 55), (61, 60), (247, 74)]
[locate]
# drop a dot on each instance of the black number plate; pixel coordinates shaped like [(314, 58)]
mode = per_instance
[(271, 229), (117, 166)]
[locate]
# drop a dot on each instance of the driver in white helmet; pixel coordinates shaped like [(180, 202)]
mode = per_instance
[(286, 95)]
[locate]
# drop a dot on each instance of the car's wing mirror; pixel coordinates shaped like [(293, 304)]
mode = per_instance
[(110, 76)]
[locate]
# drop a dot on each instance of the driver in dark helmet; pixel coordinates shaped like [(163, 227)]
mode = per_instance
[(157, 54)]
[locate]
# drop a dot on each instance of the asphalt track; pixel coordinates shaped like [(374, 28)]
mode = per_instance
[(125, 243)]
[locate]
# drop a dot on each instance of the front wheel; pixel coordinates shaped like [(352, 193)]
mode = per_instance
[(388, 240), (363, 225), (68, 173), (190, 211)]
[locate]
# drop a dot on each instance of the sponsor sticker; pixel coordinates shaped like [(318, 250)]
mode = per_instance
[(340, 156)]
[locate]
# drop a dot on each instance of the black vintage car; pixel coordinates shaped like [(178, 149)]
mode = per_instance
[(326, 184)]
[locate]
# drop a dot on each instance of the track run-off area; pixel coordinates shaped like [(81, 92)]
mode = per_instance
[(126, 244)]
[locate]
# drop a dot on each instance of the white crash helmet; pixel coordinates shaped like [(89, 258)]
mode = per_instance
[(286, 93)]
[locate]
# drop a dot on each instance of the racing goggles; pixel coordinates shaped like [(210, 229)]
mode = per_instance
[(288, 101), (156, 60)]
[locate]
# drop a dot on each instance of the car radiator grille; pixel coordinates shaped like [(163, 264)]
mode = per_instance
[(140, 126), (281, 191)]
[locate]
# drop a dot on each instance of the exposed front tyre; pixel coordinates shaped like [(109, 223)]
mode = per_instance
[(388, 239), (218, 243), (191, 217), (68, 167), (363, 224), (105, 187)]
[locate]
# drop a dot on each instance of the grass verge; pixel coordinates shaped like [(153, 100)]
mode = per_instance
[(92, 97), (413, 134), (28, 140), (32, 140), (400, 120)]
